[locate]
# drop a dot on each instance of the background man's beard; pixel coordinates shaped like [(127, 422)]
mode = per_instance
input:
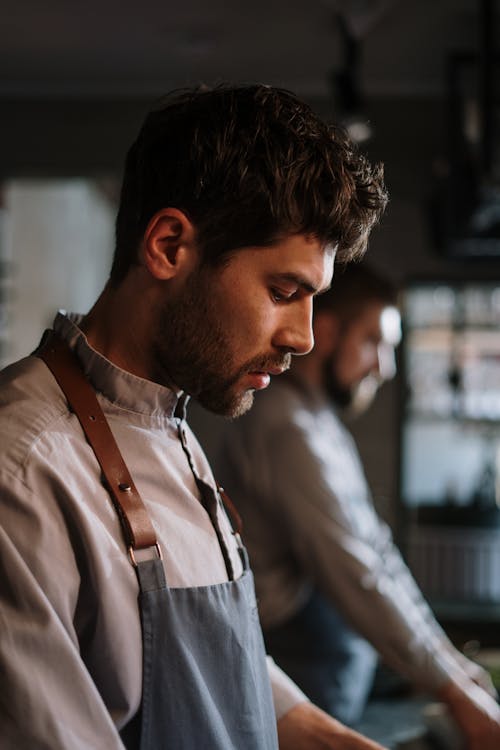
[(355, 399), (341, 395)]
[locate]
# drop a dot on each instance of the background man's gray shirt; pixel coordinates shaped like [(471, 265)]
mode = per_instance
[(294, 472)]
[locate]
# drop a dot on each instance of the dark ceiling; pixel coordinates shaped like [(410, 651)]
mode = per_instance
[(131, 49)]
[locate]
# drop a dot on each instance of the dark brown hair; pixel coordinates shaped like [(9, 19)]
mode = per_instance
[(353, 286), (248, 165)]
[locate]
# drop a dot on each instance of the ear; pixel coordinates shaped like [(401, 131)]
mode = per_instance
[(326, 329), (168, 247)]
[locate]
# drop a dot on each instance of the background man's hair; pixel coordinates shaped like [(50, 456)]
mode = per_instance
[(248, 165), (353, 286)]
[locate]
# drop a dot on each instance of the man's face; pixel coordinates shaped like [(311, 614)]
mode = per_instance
[(364, 356), (231, 327)]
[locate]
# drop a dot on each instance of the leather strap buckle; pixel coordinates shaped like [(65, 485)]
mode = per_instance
[(133, 558)]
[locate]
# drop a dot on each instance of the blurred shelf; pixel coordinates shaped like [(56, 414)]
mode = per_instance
[(467, 612)]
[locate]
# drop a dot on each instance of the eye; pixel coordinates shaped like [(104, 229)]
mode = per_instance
[(279, 295)]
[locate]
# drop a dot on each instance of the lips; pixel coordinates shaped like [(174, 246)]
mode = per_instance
[(276, 370), (261, 378), (258, 380)]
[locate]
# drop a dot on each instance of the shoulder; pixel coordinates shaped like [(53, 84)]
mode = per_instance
[(278, 417), (31, 403)]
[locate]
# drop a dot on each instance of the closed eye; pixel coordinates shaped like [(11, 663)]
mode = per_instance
[(279, 295)]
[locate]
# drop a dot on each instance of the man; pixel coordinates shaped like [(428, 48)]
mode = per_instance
[(332, 588), (127, 610)]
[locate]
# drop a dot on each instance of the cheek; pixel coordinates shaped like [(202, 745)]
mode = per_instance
[(368, 357), (354, 362), (251, 325)]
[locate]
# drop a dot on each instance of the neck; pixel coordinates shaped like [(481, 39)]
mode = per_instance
[(119, 329)]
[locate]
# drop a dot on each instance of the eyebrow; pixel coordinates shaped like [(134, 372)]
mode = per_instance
[(301, 281)]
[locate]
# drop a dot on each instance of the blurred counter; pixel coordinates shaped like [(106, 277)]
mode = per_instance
[(410, 723)]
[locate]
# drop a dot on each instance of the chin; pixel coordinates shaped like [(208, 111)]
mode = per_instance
[(241, 405), (229, 406)]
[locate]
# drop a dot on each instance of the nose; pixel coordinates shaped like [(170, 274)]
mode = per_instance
[(295, 332)]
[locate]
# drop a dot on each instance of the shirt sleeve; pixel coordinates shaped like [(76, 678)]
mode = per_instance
[(51, 700), (286, 694), (358, 567)]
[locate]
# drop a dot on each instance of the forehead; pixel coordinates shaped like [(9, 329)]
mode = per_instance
[(377, 318)]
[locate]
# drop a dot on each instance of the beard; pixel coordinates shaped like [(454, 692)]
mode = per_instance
[(193, 349), (354, 399), (341, 395)]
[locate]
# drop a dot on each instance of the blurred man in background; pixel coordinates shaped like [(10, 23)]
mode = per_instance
[(332, 587)]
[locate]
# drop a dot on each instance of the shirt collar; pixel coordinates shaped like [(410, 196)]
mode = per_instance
[(124, 389)]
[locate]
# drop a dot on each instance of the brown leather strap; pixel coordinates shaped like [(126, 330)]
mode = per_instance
[(134, 518), (231, 510)]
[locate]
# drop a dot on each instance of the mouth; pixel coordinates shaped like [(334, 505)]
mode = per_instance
[(260, 379), (276, 370)]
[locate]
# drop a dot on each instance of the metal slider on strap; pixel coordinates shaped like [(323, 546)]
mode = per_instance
[(132, 555)]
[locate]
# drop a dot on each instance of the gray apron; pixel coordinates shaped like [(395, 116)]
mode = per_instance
[(205, 683)]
